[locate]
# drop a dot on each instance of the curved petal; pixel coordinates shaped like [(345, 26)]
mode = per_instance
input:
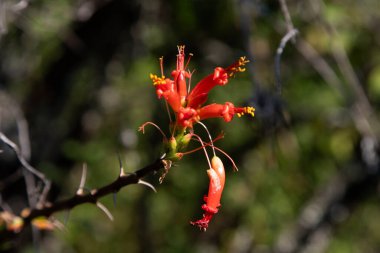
[(216, 175), (219, 77)]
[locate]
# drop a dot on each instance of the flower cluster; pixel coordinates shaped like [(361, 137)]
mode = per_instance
[(189, 109), (188, 105)]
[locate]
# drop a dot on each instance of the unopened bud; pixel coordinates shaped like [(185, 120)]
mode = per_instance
[(184, 141), (172, 144)]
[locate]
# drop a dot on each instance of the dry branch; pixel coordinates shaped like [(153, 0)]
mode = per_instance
[(94, 195)]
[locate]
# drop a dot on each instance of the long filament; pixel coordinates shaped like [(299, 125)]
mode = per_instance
[(221, 151), (204, 149), (142, 129), (209, 136), (168, 111)]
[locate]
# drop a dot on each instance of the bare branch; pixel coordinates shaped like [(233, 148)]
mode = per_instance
[(277, 61), (288, 19), (28, 167), (94, 195), (362, 111), (22, 160), (320, 65)]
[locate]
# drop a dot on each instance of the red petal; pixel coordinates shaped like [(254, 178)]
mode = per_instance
[(217, 178), (219, 77), (217, 110), (186, 116)]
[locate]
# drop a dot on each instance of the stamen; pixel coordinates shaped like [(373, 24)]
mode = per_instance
[(157, 80), (142, 129), (190, 75), (188, 60), (247, 110), (220, 136), (237, 66), (224, 153), (209, 136), (229, 158), (204, 149), (168, 111)]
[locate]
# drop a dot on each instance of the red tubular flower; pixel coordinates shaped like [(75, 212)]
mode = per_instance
[(165, 88), (198, 95), (188, 107), (226, 111), (217, 178)]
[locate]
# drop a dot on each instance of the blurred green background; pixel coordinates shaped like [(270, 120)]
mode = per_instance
[(308, 177)]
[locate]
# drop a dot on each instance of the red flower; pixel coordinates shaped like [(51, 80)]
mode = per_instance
[(217, 179), (188, 106)]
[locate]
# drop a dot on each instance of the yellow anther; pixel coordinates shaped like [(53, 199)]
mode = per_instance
[(157, 80), (243, 61), (247, 110), (250, 110), (237, 66)]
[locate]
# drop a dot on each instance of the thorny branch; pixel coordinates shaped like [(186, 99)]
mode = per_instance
[(92, 196), (95, 194), (46, 209)]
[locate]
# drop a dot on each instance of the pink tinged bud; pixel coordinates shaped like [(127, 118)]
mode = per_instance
[(217, 179)]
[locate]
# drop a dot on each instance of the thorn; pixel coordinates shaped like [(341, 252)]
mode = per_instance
[(114, 199), (122, 173), (147, 184), (82, 180), (105, 210), (58, 224), (67, 216)]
